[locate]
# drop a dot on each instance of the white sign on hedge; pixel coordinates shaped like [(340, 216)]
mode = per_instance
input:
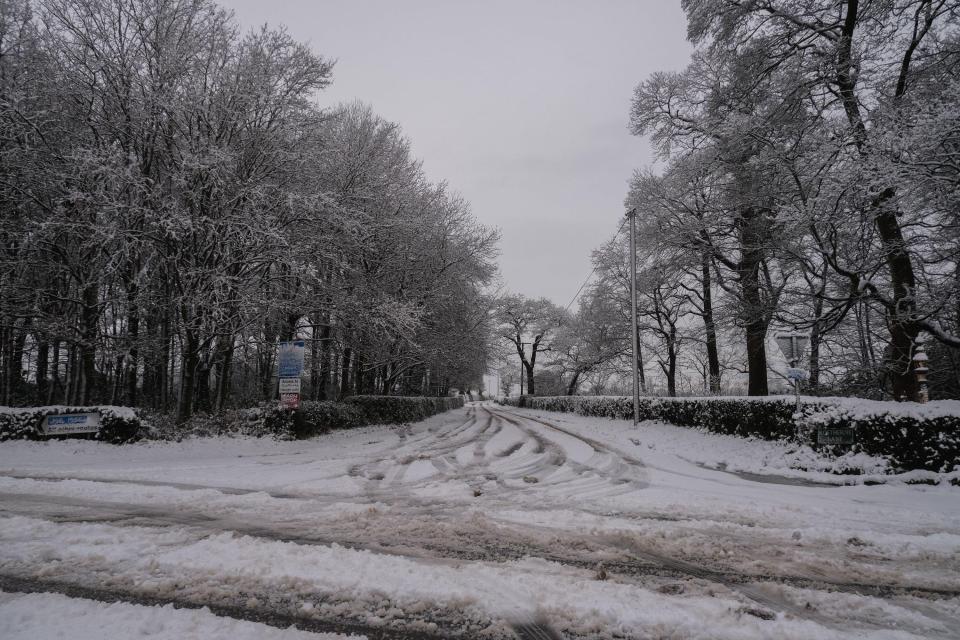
[(60, 424)]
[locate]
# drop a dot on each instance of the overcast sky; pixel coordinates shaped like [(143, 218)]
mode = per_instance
[(521, 105)]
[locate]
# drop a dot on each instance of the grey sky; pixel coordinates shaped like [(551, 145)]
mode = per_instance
[(520, 105)]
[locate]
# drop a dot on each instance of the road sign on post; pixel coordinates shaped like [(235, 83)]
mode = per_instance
[(289, 368), (792, 345)]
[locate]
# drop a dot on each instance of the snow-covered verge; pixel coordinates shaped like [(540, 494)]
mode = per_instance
[(748, 455), (40, 616), (907, 436)]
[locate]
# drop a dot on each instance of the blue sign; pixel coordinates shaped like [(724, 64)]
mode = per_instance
[(60, 424), (290, 358), (56, 420)]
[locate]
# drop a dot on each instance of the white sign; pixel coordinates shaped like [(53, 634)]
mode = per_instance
[(61, 424), (289, 385)]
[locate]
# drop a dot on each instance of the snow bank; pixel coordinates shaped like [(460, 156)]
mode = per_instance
[(46, 615)]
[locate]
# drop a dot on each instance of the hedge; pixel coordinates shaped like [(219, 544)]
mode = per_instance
[(123, 424), (911, 436), (117, 424), (317, 417)]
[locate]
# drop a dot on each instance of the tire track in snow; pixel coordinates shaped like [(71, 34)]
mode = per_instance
[(506, 544), (449, 625)]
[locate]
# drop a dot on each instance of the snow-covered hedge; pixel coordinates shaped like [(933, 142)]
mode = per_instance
[(399, 409), (911, 436), (356, 411), (117, 424)]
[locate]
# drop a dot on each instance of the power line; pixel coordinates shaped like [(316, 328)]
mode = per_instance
[(593, 271)]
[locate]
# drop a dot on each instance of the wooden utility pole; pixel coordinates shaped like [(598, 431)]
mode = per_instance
[(632, 214)]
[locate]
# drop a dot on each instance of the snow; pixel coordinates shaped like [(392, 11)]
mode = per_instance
[(39, 616), (120, 412), (487, 516)]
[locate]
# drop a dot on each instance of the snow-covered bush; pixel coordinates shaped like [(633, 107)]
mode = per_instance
[(117, 424), (315, 417), (399, 409), (770, 418), (321, 416), (911, 436)]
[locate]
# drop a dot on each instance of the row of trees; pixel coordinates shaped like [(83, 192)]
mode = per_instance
[(811, 183), (174, 202)]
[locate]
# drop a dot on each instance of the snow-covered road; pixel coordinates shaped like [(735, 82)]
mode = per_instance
[(484, 522)]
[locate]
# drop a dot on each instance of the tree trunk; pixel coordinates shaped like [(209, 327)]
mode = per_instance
[(528, 369), (345, 373), (18, 342), (815, 338), (314, 359), (903, 333), (202, 396), (323, 380), (641, 377), (90, 316), (225, 348), (55, 384), (188, 369), (574, 381), (133, 337), (710, 328), (116, 387), (43, 361), (672, 363), (757, 359), (359, 375), (898, 369), (165, 362), (751, 248), (69, 388)]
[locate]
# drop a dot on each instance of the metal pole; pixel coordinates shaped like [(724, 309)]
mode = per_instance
[(632, 214)]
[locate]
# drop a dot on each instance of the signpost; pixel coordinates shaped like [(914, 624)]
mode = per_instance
[(793, 345), (63, 424), (289, 367)]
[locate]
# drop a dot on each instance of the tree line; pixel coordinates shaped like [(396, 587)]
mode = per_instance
[(810, 182), (175, 201)]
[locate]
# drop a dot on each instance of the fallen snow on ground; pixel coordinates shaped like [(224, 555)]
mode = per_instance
[(514, 590), (42, 616), (486, 516)]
